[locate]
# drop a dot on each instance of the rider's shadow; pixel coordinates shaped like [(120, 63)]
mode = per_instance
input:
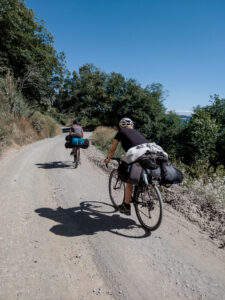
[(87, 220), (55, 165)]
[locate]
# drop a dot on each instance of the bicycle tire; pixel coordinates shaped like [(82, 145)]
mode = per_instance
[(76, 159), (153, 205), (116, 189)]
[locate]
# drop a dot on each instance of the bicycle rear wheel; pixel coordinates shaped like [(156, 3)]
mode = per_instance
[(149, 208), (76, 158), (116, 189)]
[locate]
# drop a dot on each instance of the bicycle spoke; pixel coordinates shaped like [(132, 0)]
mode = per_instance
[(148, 208), (116, 189)]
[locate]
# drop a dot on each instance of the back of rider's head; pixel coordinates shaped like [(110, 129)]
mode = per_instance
[(75, 122), (126, 123)]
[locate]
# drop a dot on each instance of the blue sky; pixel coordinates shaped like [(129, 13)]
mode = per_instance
[(178, 43)]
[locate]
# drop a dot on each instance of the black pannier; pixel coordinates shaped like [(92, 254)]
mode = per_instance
[(85, 144), (68, 138), (68, 145), (158, 168), (129, 173), (171, 175), (165, 174)]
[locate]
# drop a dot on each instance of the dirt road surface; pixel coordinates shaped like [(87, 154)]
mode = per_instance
[(60, 239)]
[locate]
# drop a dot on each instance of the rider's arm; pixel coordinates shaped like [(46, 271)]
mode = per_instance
[(111, 151), (82, 133)]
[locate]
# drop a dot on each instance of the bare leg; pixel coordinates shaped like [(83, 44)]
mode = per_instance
[(128, 194), (79, 153)]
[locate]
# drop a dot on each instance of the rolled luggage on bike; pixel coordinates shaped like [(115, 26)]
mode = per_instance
[(76, 142)]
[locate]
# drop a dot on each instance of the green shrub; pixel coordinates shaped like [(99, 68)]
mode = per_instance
[(59, 117)]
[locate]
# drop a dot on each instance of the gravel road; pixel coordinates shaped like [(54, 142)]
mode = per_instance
[(60, 239)]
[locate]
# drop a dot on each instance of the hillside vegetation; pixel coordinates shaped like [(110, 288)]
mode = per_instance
[(29, 74), (18, 124)]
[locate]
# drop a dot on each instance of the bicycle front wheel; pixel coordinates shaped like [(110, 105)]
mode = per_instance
[(149, 208), (116, 189)]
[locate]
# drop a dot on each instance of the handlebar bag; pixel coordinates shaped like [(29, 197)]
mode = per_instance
[(123, 170)]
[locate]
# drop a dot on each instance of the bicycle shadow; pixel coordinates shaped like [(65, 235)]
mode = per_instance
[(55, 165), (88, 220)]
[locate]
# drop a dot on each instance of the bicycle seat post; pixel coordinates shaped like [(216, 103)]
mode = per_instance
[(145, 177)]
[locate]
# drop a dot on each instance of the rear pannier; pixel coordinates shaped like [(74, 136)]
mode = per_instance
[(165, 174), (129, 173), (171, 175)]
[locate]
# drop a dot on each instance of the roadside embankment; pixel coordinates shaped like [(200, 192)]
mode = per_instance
[(15, 132)]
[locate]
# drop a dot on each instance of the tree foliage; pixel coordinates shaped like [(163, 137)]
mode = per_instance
[(198, 139), (27, 52)]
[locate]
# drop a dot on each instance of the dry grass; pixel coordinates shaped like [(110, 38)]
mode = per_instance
[(44, 126), (103, 137)]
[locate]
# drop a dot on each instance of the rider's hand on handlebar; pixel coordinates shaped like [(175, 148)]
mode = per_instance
[(107, 160)]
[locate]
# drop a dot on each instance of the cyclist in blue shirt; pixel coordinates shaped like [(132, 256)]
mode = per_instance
[(76, 131)]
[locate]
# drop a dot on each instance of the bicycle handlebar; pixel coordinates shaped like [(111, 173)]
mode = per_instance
[(113, 158)]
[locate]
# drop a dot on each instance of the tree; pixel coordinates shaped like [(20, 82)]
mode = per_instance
[(217, 112), (198, 139)]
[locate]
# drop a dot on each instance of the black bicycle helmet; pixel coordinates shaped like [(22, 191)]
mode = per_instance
[(75, 122)]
